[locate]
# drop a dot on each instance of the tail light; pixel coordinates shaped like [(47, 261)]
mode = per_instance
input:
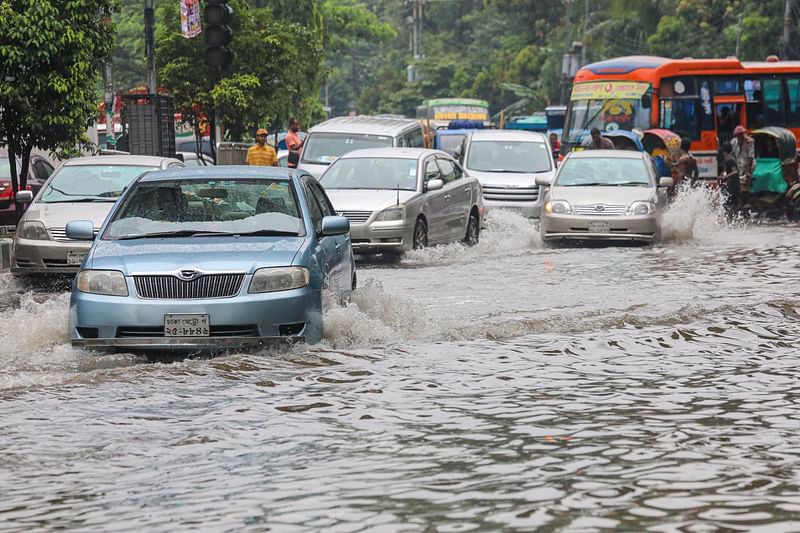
[(5, 190)]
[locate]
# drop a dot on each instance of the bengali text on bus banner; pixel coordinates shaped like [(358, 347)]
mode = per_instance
[(607, 90)]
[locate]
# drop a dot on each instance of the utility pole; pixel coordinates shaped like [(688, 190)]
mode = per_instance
[(738, 36), (149, 45), (787, 19), (585, 30), (108, 79), (416, 27)]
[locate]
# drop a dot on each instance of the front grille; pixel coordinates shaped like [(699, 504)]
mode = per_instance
[(356, 217), (600, 209), (56, 263), (510, 194), (247, 330), (173, 288), (60, 234)]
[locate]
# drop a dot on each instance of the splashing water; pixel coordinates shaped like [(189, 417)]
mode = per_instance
[(694, 214), (505, 233)]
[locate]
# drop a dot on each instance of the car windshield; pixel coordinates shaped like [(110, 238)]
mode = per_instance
[(508, 156), (602, 171), (101, 183), (371, 173), (208, 206), (324, 148)]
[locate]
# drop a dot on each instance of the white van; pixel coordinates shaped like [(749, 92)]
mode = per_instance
[(335, 137), (506, 162)]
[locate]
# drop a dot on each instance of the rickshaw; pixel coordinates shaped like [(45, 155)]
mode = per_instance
[(665, 148), (774, 170)]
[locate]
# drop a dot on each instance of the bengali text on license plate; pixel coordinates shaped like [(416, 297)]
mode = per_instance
[(599, 227), (186, 326), (75, 258)]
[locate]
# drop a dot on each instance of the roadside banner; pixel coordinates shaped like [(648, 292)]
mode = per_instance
[(190, 18)]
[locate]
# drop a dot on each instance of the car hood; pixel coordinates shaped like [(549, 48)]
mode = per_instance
[(602, 195), (208, 254), (56, 215), (366, 199), (512, 179)]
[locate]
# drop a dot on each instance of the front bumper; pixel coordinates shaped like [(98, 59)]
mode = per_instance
[(377, 237), (192, 344), (245, 320), (47, 257), (642, 228)]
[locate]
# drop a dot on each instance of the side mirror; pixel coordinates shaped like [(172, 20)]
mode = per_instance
[(543, 181), (335, 225), (666, 182), (434, 185), (24, 197), (80, 230)]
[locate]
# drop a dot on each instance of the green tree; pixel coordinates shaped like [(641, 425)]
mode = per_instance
[(275, 72), (50, 58)]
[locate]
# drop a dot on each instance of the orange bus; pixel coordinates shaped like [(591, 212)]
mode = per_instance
[(703, 99)]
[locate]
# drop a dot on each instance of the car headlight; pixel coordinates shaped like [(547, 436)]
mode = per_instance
[(108, 282), (393, 213), (278, 279), (34, 231), (557, 207), (642, 208)]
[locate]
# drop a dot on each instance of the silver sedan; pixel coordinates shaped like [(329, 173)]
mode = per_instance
[(610, 195), (398, 199)]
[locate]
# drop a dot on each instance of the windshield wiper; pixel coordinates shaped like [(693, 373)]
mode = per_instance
[(590, 184), (175, 233), (629, 183), (265, 232), (80, 200)]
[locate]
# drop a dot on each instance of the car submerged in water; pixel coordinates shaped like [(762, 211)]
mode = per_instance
[(604, 195), (208, 259)]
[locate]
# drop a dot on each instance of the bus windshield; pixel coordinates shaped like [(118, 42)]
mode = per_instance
[(606, 106)]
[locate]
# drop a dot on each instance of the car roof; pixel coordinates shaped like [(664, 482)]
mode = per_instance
[(145, 160), (365, 124), (508, 135), (395, 153), (222, 172), (617, 154)]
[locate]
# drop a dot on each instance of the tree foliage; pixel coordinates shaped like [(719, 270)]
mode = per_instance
[(50, 58)]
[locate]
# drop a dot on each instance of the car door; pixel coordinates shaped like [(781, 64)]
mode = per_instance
[(331, 247), (460, 194), (435, 203)]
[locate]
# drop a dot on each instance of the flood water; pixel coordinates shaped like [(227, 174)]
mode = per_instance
[(506, 387)]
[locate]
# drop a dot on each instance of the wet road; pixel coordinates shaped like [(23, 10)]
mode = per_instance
[(500, 388)]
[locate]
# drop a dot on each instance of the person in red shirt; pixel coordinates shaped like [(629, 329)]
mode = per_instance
[(293, 143)]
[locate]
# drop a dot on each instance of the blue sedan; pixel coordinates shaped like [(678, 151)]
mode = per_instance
[(213, 258)]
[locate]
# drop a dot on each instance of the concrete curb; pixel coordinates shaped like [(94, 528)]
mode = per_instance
[(5, 254)]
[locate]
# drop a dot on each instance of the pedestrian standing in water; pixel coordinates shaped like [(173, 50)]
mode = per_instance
[(743, 150), (729, 181), (686, 167), (261, 154)]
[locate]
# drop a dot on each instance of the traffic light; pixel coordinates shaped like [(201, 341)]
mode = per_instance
[(218, 34)]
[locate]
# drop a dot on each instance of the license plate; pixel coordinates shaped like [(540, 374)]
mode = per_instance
[(599, 227), (75, 258), (186, 326)]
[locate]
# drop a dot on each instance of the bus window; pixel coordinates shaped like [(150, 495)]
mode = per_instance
[(681, 116), (793, 112), (727, 86), (727, 120), (753, 98), (773, 101)]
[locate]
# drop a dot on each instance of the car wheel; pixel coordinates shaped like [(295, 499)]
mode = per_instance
[(420, 234), (473, 230)]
